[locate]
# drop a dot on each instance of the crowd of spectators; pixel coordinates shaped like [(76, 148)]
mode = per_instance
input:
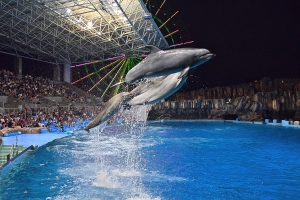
[(40, 118), (31, 89)]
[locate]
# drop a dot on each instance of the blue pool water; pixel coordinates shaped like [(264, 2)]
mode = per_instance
[(169, 160)]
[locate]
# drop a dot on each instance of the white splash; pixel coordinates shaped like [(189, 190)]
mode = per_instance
[(120, 157)]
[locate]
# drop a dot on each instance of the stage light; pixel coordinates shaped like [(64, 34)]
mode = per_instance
[(89, 24), (68, 10)]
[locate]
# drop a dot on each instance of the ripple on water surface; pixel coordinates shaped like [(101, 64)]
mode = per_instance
[(169, 160)]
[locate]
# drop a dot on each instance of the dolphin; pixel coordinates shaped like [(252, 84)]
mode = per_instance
[(168, 86), (110, 108), (143, 87), (165, 62)]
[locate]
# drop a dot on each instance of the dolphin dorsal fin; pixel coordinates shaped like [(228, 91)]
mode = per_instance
[(153, 49)]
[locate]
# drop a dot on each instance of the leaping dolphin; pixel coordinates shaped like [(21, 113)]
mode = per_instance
[(149, 83), (110, 108), (168, 86), (165, 62)]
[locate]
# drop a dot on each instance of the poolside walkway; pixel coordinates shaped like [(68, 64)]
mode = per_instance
[(29, 139), (44, 137), (40, 139)]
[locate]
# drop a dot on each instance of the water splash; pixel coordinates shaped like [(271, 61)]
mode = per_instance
[(123, 169)]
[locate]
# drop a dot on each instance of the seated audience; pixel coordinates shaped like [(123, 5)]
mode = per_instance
[(31, 89)]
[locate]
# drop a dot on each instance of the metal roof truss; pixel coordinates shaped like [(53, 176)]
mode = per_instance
[(63, 31)]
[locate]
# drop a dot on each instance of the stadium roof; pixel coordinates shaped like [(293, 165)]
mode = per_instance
[(74, 31)]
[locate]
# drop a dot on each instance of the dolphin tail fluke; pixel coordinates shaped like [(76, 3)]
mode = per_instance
[(184, 72), (117, 84)]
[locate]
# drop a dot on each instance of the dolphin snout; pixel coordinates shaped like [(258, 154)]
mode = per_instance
[(208, 55)]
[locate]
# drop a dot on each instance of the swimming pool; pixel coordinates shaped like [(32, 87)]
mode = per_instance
[(168, 160)]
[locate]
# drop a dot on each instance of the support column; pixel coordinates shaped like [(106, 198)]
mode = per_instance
[(67, 72), (56, 73), (18, 67)]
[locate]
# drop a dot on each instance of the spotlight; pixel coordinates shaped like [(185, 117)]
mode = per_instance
[(89, 25), (68, 10)]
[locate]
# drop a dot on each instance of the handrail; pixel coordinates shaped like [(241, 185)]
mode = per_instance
[(31, 147), (79, 91), (11, 153), (13, 148), (2, 111)]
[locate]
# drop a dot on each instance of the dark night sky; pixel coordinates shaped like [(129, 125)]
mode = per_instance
[(252, 39)]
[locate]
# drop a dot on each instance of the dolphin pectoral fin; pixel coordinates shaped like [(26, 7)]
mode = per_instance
[(184, 72), (117, 84), (147, 101), (178, 83), (153, 49)]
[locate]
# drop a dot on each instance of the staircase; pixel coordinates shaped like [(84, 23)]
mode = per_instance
[(81, 92), (12, 103)]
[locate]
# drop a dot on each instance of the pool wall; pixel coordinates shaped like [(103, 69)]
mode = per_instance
[(18, 157), (233, 121), (264, 99)]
